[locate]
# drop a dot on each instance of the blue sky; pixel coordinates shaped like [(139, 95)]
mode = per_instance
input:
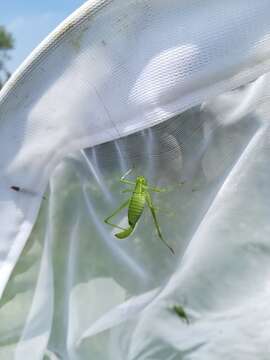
[(30, 21)]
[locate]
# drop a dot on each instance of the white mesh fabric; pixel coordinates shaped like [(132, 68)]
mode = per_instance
[(111, 70)]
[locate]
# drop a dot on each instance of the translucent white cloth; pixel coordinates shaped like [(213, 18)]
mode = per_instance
[(179, 91)]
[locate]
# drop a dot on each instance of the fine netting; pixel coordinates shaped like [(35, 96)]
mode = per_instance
[(178, 92), (84, 292)]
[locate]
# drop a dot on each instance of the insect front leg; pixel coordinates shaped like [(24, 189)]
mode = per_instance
[(125, 204), (168, 189), (156, 189), (123, 178), (153, 212)]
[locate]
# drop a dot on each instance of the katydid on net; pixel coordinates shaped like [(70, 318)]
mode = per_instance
[(136, 203)]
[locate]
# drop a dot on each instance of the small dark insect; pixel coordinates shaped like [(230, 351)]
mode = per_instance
[(16, 188), (29, 192), (179, 310)]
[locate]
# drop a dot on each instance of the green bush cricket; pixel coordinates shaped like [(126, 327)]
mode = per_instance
[(136, 203), (179, 310)]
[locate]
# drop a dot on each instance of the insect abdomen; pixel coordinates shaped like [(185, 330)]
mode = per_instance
[(136, 207)]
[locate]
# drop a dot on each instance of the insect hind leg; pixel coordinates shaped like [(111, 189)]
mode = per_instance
[(153, 212), (125, 204)]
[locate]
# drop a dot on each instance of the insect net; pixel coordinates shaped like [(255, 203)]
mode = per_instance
[(179, 92)]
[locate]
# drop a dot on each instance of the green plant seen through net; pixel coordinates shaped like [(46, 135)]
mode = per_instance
[(6, 44)]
